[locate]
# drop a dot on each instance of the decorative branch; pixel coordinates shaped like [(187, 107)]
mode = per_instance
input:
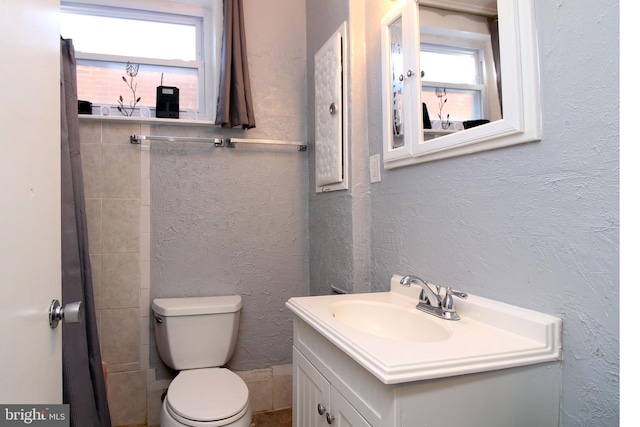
[(441, 93), (132, 71)]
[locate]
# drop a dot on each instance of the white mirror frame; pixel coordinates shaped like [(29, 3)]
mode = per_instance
[(520, 93)]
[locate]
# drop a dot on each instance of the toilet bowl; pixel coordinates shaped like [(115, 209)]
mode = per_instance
[(197, 336), (205, 398)]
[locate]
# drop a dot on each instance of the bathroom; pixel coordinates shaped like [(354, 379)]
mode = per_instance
[(535, 225)]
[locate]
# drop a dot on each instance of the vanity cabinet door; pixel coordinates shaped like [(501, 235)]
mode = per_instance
[(316, 403), (311, 394), (345, 415)]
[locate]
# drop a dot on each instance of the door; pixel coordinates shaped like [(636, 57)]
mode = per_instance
[(30, 277), (330, 114)]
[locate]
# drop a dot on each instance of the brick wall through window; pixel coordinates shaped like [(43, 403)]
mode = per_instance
[(103, 86)]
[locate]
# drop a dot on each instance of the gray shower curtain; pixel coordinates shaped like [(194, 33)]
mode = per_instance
[(235, 106), (82, 378)]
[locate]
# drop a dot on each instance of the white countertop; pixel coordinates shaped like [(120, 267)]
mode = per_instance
[(490, 335)]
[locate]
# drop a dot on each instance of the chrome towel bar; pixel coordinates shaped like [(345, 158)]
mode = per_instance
[(218, 142)]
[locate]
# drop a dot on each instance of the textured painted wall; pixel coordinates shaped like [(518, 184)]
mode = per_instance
[(535, 225), (234, 221), (330, 214), (339, 221)]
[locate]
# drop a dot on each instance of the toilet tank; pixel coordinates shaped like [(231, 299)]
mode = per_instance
[(196, 332)]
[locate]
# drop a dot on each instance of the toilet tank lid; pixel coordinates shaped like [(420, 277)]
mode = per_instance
[(196, 305)]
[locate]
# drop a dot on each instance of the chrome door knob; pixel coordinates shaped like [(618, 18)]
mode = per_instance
[(70, 313)]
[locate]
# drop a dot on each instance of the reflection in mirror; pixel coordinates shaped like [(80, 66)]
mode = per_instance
[(397, 81), (459, 60), (498, 109)]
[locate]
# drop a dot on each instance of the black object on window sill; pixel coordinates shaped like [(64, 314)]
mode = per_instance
[(426, 122), (473, 123), (84, 107)]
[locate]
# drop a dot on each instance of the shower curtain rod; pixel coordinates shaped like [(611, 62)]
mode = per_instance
[(218, 142)]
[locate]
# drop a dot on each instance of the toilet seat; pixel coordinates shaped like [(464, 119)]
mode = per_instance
[(207, 397)]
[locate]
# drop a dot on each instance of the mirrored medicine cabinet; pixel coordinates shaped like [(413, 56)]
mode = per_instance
[(458, 77)]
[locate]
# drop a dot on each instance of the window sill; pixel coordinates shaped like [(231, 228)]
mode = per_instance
[(149, 120)]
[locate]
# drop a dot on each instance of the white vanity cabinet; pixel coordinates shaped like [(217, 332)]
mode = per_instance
[(325, 376)]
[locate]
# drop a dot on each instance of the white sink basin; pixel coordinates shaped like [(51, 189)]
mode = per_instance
[(388, 336), (390, 321)]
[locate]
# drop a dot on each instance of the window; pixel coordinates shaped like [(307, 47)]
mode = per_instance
[(456, 74), (167, 43)]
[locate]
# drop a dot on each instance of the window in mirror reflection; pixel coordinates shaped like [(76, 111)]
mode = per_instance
[(457, 71), (456, 55), (461, 105), (450, 64)]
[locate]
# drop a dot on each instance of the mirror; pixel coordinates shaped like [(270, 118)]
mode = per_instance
[(460, 70), (474, 91)]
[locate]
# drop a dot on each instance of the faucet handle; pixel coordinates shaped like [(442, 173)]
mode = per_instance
[(458, 294), (447, 301)]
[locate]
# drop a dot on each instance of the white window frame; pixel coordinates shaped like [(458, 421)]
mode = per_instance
[(206, 15)]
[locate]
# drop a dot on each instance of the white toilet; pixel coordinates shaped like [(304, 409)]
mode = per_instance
[(197, 336)]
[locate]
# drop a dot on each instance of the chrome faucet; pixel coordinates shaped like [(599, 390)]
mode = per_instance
[(427, 295), (432, 302)]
